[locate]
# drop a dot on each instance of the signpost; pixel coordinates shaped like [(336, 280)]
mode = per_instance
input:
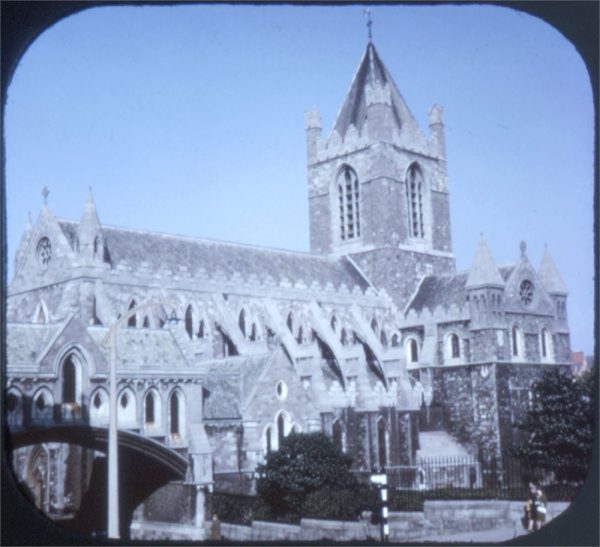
[(379, 478)]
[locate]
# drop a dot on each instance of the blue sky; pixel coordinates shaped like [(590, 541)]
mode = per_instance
[(189, 120)]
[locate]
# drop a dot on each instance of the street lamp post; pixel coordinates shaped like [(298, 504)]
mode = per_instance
[(113, 448)]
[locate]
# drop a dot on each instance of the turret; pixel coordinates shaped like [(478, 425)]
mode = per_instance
[(436, 127), (314, 132), (486, 290), (90, 239), (554, 285), (19, 255)]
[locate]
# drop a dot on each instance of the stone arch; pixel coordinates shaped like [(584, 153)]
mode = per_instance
[(99, 406), (127, 408), (42, 407)]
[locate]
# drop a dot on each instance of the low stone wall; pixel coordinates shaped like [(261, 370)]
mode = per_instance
[(437, 518), (161, 531)]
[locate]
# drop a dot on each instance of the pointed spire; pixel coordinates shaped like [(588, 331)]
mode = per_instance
[(28, 223), (484, 272), (89, 227), (371, 77), (549, 276)]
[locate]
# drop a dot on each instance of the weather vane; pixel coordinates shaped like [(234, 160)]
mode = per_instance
[(45, 193), (369, 23)]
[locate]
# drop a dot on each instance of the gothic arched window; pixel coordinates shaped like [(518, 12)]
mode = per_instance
[(242, 322), (414, 351), (414, 193), (517, 341), (132, 321), (176, 416), (348, 201), (280, 429), (189, 322), (69, 381)]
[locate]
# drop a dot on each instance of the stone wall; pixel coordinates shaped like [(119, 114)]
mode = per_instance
[(438, 518), (399, 271), (467, 395), (441, 236), (173, 503)]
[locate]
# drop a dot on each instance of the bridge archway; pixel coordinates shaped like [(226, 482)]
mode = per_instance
[(155, 465)]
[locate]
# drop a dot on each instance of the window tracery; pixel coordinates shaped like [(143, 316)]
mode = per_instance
[(414, 192), (348, 189)]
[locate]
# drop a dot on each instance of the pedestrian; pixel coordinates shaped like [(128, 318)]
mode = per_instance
[(540, 502), (215, 528), (529, 517)]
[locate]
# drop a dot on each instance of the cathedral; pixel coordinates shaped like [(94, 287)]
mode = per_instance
[(372, 337)]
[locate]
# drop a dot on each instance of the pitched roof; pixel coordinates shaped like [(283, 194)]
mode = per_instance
[(484, 272), (440, 290), (371, 72), (142, 349), (163, 251), (25, 341), (549, 276)]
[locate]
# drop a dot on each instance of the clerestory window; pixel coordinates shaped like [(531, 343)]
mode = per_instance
[(348, 189)]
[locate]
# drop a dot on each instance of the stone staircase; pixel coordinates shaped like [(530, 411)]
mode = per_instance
[(437, 445)]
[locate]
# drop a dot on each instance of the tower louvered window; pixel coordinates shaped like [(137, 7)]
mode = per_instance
[(414, 193), (348, 202)]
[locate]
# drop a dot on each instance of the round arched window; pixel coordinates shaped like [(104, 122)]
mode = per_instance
[(281, 390)]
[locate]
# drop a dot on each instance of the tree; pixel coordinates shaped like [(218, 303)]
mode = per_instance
[(309, 476), (560, 424)]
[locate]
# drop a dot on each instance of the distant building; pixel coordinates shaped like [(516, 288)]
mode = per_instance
[(580, 363), (372, 337)]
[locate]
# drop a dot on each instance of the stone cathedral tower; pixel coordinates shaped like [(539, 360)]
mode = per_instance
[(378, 189)]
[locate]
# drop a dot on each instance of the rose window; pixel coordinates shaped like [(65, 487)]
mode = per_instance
[(44, 251), (526, 292)]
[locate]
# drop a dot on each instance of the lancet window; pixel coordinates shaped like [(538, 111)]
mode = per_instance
[(414, 193), (348, 190)]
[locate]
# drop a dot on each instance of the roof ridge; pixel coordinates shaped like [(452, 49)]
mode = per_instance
[(198, 239)]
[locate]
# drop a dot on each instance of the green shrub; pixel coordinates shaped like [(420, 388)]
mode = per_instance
[(305, 464)]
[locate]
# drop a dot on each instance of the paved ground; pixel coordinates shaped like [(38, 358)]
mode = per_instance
[(496, 535)]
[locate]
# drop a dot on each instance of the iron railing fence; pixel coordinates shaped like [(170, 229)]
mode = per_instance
[(467, 477)]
